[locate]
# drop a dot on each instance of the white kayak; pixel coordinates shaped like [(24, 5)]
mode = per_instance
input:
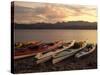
[(67, 53), (43, 57), (43, 60), (89, 49), (65, 46)]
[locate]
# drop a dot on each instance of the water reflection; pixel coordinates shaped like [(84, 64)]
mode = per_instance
[(52, 35)]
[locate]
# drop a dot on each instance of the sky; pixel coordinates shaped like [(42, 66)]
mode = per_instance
[(32, 12)]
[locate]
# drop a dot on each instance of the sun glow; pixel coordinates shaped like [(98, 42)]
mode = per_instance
[(52, 13)]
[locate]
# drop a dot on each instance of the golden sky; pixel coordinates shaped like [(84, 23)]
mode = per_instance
[(29, 12)]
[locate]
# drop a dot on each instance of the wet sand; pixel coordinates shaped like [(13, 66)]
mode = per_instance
[(27, 65)]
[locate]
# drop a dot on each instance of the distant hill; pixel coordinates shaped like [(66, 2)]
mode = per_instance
[(63, 25)]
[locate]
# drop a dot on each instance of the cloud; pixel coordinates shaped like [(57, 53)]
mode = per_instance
[(51, 13)]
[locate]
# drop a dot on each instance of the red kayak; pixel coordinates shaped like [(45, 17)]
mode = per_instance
[(32, 50)]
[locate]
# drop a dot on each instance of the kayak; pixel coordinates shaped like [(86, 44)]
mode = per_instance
[(69, 52), (43, 57), (26, 52), (87, 50), (65, 46)]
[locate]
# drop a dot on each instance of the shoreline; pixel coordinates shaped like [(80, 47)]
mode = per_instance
[(26, 65)]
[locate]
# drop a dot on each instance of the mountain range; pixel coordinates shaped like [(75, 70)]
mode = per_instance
[(58, 25)]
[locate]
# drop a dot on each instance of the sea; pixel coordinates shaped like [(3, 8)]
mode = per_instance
[(49, 35)]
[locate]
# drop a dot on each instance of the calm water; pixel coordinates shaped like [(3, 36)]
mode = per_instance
[(52, 35)]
